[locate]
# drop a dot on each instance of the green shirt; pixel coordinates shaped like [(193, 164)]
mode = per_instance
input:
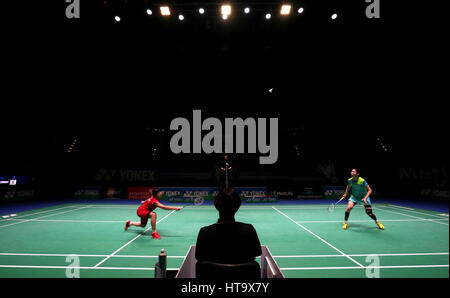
[(358, 188)]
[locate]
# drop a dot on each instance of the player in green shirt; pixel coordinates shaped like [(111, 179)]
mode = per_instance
[(361, 192)]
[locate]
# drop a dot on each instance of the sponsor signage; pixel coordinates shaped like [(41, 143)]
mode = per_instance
[(139, 193)]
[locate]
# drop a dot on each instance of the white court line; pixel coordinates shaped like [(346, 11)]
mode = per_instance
[(417, 212), (397, 206), (83, 268), (364, 255), (211, 207), (284, 269), (357, 263), (28, 214), (82, 255), (129, 242), (179, 257), (301, 221), (369, 220), (368, 267), (33, 219), (73, 220), (424, 219)]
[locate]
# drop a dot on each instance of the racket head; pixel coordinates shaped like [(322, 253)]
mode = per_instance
[(331, 207), (197, 201)]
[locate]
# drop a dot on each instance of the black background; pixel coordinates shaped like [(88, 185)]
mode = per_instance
[(60, 77)]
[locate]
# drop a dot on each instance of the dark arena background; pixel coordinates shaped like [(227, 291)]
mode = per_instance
[(90, 89)]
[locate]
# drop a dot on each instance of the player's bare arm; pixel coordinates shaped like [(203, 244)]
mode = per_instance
[(159, 205), (347, 190), (369, 192)]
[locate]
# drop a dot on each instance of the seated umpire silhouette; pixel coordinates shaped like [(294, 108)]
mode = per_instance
[(227, 249)]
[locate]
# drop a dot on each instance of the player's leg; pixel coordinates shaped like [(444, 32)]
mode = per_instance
[(143, 216), (153, 223), (137, 224), (369, 212), (349, 208), (144, 219)]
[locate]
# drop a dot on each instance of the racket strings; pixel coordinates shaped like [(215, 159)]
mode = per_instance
[(331, 207)]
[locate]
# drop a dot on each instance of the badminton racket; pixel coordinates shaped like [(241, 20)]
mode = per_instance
[(333, 205), (195, 201)]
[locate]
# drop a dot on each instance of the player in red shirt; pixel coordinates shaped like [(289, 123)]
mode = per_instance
[(146, 210)]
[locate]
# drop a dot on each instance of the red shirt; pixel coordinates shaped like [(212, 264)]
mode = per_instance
[(149, 204)]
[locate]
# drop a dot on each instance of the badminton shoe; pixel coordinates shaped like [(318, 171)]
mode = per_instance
[(380, 226), (345, 226), (155, 235), (127, 225)]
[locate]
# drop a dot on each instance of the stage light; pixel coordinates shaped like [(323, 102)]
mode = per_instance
[(300, 10), (334, 16), (149, 12), (181, 17), (117, 18), (165, 10), (246, 10), (224, 16), (201, 11), (268, 16), (285, 9), (226, 10)]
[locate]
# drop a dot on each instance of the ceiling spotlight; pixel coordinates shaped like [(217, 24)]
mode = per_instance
[(201, 11), (149, 12), (300, 10), (224, 16), (181, 17), (226, 10), (246, 10), (165, 10), (334, 16), (285, 9), (117, 18), (268, 16)]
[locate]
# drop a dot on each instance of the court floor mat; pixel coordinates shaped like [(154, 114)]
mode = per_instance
[(89, 241)]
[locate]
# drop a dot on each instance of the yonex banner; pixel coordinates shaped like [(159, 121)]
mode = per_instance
[(87, 192), (185, 194), (439, 194), (261, 199), (139, 193), (255, 195), (16, 195), (333, 192)]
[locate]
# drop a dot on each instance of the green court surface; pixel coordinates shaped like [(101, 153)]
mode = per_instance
[(89, 241)]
